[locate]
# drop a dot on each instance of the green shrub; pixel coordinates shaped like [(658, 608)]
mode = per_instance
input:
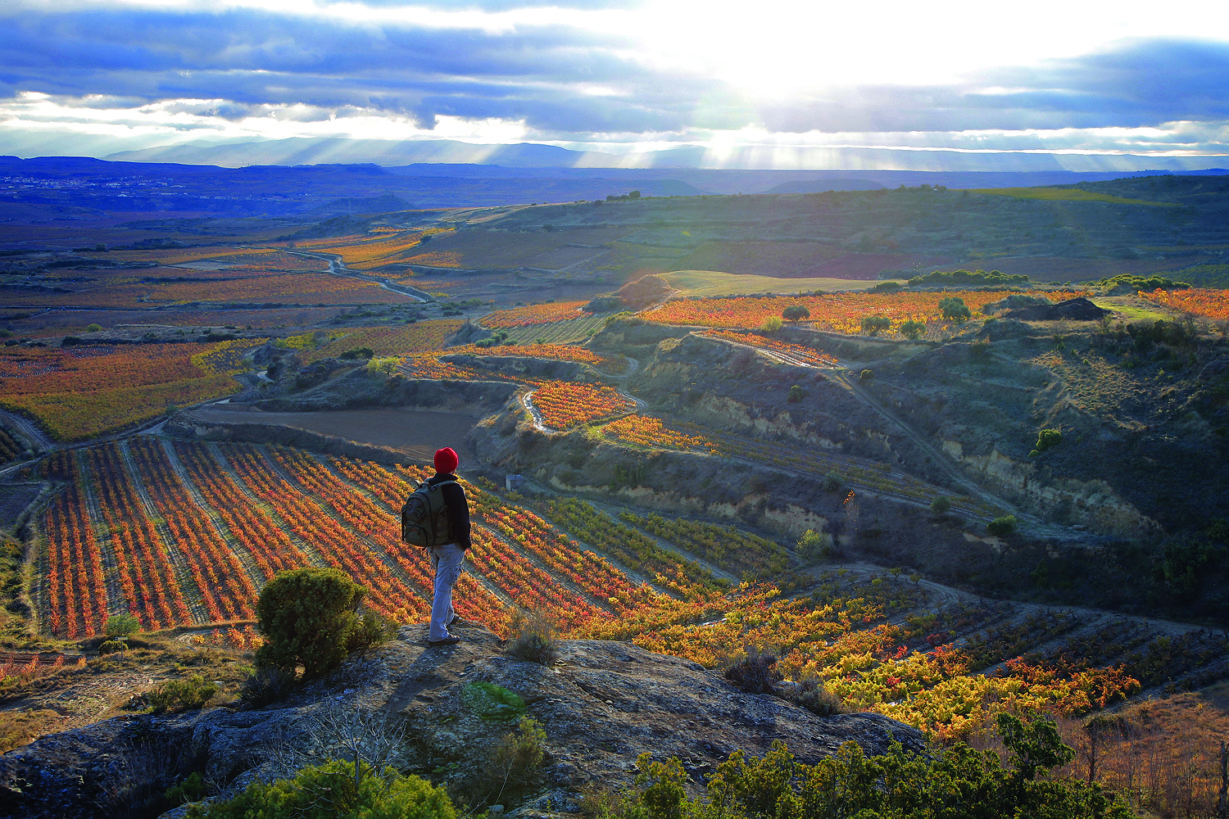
[(370, 630), (872, 325), (383, 365), (912, 330), (191, 789), (516, 761), (771, 324), (941, 505), (181, 695), (1002, 526), (957, 781), (334, 790), (309, 618), (1046, 439), (953, 308), (112, 647), (814, 546), (121, 625), (796, 394), (266, 686)]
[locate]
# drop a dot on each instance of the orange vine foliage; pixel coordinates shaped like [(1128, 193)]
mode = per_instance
[(836, 312), (535, 314), (365, 252), (564, 404), (643, 430), (79, 392), (421, 337), (798, 351), (1213, 304)]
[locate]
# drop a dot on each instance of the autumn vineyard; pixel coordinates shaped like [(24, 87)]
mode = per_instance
[(784, 473)]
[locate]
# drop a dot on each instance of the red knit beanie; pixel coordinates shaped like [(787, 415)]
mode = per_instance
[(446, 459)]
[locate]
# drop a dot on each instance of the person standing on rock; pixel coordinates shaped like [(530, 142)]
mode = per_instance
[(447, 559)]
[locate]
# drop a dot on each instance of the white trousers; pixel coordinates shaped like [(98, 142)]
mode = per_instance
[(446, 562)]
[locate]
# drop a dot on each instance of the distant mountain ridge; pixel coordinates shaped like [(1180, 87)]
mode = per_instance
[(279, 189)]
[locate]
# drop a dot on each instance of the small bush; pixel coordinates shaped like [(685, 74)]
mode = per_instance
[(516, 761), (309, 618), (265, 686), (757, 674), (112, 647), (383, 366), (814, 546), (181, 695), (121, 625), (1047, 439), (1002, 526), (941, 505), (191, 789), (811, 695), (334, 789), (954, 309), (533, 640), (771, 324), (371, 630), (873, 325)]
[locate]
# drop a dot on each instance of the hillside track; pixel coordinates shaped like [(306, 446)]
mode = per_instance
[(34, 437), (958, 477), (337, 267)]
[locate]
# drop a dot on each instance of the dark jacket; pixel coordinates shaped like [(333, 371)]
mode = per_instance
[(457, 506)]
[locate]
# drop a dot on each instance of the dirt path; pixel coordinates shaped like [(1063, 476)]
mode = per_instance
[(959, 478), (337, 267)]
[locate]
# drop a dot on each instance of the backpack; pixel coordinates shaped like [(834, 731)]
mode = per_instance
[(424, 517)]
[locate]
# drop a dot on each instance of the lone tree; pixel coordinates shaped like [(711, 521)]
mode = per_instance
[(795, 313), (953, 308)]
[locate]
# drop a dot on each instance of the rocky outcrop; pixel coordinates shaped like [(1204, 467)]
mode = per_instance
[(1078, 309), (601, 705)]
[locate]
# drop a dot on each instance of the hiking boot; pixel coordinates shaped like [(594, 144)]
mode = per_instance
[(450, 640)]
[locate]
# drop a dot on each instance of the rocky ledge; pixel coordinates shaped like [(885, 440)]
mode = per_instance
[(600, 705)]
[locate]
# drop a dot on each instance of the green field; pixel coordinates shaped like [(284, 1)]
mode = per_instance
[(558, 332), (1066, 195), (715, 283)]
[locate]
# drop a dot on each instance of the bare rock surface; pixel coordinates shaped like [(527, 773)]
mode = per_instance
[(601, 705)]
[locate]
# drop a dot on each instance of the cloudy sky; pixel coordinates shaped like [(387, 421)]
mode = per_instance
[(777, 83)]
